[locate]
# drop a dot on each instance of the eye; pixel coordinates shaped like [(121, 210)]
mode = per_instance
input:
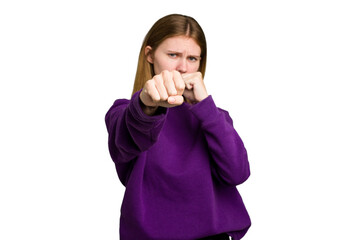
[(193, 59), (172, 55)]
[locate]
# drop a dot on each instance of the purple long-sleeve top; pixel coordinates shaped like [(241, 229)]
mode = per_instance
[(180, 169)]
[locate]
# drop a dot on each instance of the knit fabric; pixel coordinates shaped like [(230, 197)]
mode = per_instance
[(180, 169)]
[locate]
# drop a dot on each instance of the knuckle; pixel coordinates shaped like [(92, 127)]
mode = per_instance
[(148, 84), (157, 78), (165, 76), (175, 73), (163, 98), (181, 86), (156, 99), (165, 73)]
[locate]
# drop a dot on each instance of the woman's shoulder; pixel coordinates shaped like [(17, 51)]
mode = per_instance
[(122, 101), (118, 106)]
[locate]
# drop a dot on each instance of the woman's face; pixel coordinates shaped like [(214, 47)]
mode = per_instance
[(178, 53)]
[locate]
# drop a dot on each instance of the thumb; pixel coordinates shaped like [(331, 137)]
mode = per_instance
[(175, 100)]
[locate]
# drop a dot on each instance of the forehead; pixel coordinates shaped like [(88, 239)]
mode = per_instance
[(181, 44)]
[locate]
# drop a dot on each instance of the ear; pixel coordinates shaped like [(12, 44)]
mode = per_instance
[(149, 55)]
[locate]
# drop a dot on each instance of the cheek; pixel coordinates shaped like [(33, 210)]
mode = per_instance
[(194, 68), (160, 66)]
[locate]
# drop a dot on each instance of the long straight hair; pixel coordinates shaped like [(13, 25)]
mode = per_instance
[(169, 26)]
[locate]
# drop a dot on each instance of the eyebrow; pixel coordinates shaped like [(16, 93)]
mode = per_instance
[(177, 52)]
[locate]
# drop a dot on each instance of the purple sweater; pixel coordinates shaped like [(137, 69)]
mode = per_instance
[(180, 169)]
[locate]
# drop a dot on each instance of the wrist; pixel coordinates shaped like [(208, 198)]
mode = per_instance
[(203, 97), (150, 111)]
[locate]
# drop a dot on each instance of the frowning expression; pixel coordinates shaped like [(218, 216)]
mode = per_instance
[(180, 53)]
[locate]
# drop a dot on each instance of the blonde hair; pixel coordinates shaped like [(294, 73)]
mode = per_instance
[(169, 26)]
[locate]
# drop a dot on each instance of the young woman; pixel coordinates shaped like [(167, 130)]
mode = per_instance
[(176, 153)]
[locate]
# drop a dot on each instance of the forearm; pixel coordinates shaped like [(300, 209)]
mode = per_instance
[(131, 131), (229, 154), (225, 145)]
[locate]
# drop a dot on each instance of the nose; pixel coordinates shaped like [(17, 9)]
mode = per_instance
[(182, 65)]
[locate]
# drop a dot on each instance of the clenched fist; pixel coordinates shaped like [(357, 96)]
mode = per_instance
[(195, 90), (163, 90), (168, 89)]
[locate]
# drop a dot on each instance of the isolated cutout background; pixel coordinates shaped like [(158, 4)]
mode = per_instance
[(287, 71)]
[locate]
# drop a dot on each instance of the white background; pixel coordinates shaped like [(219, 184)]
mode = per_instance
[(287, 71)]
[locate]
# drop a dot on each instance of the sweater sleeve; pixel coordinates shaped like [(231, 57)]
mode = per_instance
[(231, 164), (131, 132)]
